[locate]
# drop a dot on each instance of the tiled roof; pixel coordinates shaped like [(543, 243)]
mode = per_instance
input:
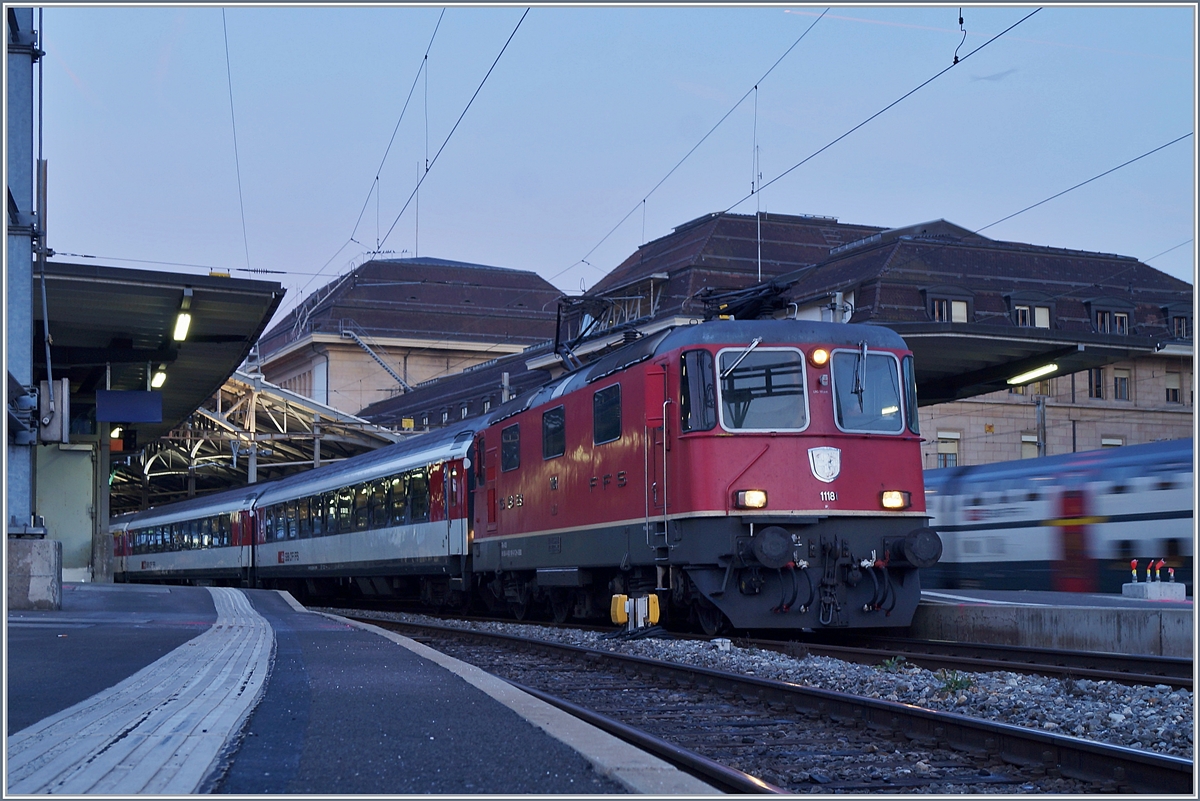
[(427, 298)]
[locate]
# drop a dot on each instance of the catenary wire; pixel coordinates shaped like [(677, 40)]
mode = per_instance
[(894, 103), (455, 128), (671, 172), (233, 120)]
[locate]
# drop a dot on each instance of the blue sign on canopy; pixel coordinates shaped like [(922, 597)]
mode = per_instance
[(118, 406)]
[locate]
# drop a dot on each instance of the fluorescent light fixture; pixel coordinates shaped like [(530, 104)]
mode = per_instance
[(159, 379), (1025, 378), (182, 322)]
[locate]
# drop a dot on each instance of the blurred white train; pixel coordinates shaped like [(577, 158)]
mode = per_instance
[(1068, 523)]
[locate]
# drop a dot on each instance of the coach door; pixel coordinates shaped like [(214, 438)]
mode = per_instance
[(1076, 570)]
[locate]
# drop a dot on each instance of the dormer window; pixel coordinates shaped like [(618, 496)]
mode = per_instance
[(948, 304), (1110, 315), (1180, 328), (1031, 309)]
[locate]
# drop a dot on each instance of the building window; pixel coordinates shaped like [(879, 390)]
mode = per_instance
[(1021, 316), (947, 448), (1042, 387), (1111, 442), (510, 447), (425, 421), (1179, 327), (1121, 385), (1041, 316), (1120, 323), (445, 416), (487, 405), (463, 413), (958, 311), (1096, 383), (1029, 446), (941, 311), (606, 415), (554, 433), (1172, 387), (1103, 322), (1016, 390)]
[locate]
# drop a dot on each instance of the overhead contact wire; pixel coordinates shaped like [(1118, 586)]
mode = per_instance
[(694, 147), (891, 105), (455, 128), (233, 120)]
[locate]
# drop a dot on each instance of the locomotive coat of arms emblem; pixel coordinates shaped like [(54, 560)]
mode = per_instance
[(826, 463)]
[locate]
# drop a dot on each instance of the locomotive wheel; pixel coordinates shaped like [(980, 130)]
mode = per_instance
[(561, 606), (519, 610), (712, 621)]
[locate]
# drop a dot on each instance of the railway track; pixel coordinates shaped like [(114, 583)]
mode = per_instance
[(1125, 668), (802, 739)]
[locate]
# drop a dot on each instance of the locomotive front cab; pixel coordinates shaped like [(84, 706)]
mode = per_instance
[(794, 493)]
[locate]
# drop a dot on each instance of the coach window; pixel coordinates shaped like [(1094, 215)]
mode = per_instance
[(763, 389), (362, 498), (345, 510), (866, 392), (399, 492), (510, 447), (379, 504), (304, 517), (554, 434), (330, 503), (697, 392), (606, 415), (206, 540), (268, 524), (418, 496), (293, 528)]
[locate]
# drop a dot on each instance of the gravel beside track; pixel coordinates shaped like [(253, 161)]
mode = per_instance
[(1151, 718)]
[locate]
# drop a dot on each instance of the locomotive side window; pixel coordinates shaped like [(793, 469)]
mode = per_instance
[(763, 390), (910, 395), (697, 392), (554, 433), (606, 415), (418, 496), (510, 447), (866, 392)]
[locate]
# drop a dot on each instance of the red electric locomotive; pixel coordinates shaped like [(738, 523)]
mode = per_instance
[(761, 473)]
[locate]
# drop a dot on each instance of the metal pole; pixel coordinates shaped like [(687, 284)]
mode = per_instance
[(1041, 425)]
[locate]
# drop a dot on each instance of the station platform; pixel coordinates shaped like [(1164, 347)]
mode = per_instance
[(178, 690), (1101, 622)]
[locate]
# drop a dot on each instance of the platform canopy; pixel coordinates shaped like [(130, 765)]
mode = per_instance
[(114, 328)]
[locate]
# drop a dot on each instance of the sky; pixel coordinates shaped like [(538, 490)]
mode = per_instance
[(556, 166)]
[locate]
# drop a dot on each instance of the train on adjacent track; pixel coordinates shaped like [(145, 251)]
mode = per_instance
[(1072, 523), (760, 474)]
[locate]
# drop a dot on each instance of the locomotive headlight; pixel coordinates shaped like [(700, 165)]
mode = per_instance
[(896, 499), (819, 357), (750, 499)]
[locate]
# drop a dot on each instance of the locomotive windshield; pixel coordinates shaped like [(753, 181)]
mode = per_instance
[(764, 391), (866, 394)]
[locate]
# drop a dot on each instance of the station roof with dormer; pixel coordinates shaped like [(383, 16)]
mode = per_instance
[(425, 299)]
